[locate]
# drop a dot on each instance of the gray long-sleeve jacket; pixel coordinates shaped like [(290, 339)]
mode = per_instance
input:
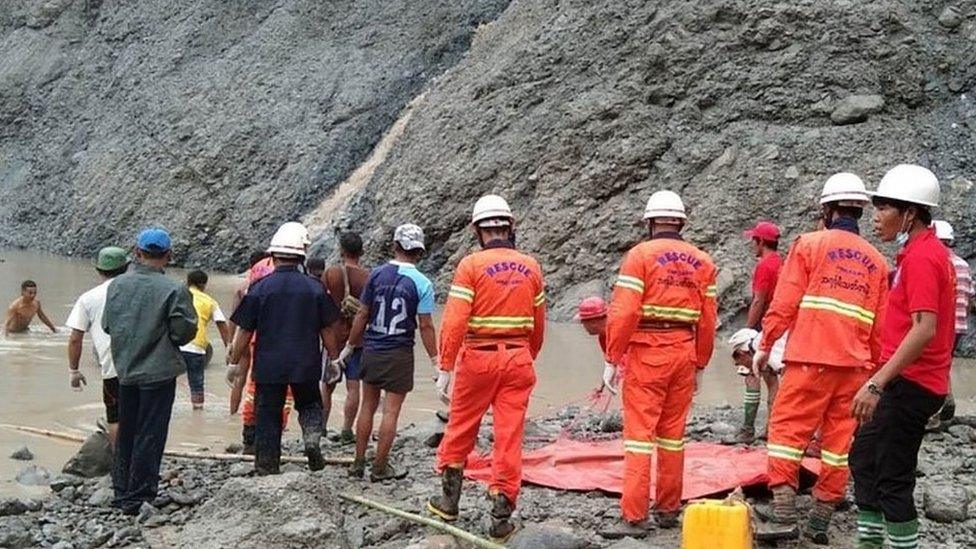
[(148, 316)]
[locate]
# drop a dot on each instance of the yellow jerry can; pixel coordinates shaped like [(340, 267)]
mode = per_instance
[(717, 524)]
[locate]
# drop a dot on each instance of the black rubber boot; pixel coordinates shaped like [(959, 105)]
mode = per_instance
[(501, 514), (666, 519), (315, 460), (357, 469), (264, 466), (247, 438), (445, 506)]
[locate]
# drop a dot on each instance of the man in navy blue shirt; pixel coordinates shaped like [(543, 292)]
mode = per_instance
[(397, 300), (291, 315)]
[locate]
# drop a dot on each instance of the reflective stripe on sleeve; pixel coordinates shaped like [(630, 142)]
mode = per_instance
[(540, 299), (461, 292), (631, 283)]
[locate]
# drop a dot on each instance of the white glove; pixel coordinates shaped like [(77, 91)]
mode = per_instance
[(759, 361), (609, 377), (443, 382), (346, 352), (76, 379), (233, 372), (331, 369)]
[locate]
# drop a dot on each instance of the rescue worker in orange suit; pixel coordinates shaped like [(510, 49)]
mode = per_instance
[(663, 316), (492, 330), (831, 296)]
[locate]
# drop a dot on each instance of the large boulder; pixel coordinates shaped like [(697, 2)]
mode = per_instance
[(94, 459), (946, 503)]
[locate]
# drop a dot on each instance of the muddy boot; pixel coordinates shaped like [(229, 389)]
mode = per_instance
[(315, 460), (264, 466), (385, 472), (819, 522), (357, 469), (666, 519), (344, 438), (948, 410), (502, 527), (743, 436), (627, 529), (778, 521), (445, 505), (247, 438)]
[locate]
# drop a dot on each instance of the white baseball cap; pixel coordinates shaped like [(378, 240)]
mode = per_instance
[(409, 237)]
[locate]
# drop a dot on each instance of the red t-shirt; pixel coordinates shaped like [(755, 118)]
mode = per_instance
[(924, 280), (765, 275)]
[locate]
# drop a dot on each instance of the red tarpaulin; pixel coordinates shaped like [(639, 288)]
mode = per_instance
[(574, 465)]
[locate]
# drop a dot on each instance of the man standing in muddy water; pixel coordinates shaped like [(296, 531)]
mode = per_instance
[(86, 316), (663, 316), (22, 311), (148, 316)]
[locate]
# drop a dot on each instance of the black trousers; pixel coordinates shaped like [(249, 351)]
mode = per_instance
[(884, 455), (269, 400), (144, 413)]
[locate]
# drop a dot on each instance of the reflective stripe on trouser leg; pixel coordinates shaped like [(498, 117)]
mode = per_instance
[(475, 382), (641, 411), (670, 437), (837, 433), (803, 396), (516, 380)]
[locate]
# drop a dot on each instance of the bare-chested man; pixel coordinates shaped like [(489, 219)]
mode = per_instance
[(21, 312)]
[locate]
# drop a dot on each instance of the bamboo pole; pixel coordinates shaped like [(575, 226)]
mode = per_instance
[(436, 524), (175, 453)]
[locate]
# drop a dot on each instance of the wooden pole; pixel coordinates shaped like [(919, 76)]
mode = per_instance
[(175, 453), (436, 524)]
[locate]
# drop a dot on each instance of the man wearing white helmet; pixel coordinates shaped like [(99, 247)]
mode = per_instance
[(663, 317), (830, 296), (292, 315), (493, 327), (917, 335)]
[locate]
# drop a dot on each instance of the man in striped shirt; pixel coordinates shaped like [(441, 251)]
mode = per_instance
[(964, 294)]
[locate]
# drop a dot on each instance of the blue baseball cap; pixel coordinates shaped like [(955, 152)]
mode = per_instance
[(154, 240)]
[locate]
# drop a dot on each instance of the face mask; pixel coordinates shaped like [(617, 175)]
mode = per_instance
[(902, 237)]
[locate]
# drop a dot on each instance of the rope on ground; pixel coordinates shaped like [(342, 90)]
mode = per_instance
[(413, 517), (175, 453)]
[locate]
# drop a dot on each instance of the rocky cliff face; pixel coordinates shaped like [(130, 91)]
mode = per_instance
[(578, 110), (226, 119), (218, 120)]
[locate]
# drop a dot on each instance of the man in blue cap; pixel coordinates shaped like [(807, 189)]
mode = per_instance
[(148, 316)]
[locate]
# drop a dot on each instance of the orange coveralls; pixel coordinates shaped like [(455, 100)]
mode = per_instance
[(833, 287), (663, 316), (492, 330)]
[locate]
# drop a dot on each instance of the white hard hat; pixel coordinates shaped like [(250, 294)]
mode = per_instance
[(909, 183), (290, 239), (664, 204), (492, 210), (844, 188), (943, 230), (743, 340)]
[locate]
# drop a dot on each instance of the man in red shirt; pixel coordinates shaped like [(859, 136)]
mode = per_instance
[(765, 242), (916, 340)]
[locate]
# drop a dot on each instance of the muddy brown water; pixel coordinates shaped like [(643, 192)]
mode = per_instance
[(34, 387)]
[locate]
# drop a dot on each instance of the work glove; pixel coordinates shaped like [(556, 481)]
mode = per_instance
[(443, 382), (76, 379), (610, 377), (233, 372), (759, 362), (332, 369), (346, 352)]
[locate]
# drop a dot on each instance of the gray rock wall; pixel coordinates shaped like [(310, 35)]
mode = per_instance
[(219, 120), (577, 110)]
